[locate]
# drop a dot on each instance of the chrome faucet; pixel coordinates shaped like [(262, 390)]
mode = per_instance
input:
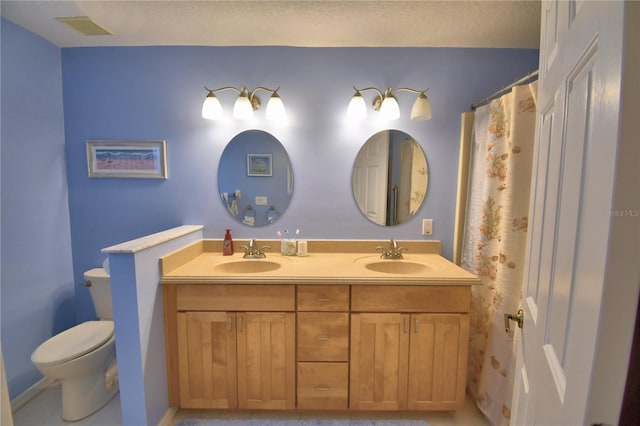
[(393, 252), (253, 251)]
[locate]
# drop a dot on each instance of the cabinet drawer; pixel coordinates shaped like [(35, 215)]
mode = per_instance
[(322, 385), (323, 336), (323, 298), (259, 298), (373, 298)]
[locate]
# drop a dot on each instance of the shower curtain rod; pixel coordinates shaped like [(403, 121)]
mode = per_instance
[(526, 79)]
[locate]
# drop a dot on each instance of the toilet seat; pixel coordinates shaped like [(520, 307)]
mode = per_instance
[(73, 343)]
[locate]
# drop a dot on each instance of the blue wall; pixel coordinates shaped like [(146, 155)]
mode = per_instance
[(157, 93), (37, 289)]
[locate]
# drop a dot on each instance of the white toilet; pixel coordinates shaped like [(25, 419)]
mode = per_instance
[(83, 358)]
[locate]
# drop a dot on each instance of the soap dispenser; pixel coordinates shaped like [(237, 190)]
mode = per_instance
[(227, 244)]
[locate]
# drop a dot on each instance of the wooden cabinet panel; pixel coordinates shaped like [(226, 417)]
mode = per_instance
[(207, 360), (438, 361), (323, 336), (266, 360), (381, 298), (323, 298), (379, 361), (235, 297), (323, 385)]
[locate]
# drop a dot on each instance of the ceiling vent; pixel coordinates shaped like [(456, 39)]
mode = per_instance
[(84, 25)]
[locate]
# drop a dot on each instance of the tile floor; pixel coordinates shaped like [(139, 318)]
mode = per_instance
[(45, 410)]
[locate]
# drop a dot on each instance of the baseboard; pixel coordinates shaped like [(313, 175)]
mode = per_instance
[(167, 419), (32, 392)]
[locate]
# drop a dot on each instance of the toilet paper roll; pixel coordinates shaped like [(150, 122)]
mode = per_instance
[(302, 247)]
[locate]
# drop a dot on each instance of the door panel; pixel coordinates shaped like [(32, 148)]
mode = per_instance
[(207, 360), (266, 360), (437, 361), (379, 361)]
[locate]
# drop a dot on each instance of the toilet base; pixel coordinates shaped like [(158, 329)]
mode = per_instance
[(83, 396)]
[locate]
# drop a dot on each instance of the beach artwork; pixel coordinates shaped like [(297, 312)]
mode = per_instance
[(142, 159)]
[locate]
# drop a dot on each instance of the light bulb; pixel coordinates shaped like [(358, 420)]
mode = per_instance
[(242, 109), (421, 108), (389, 108), (211, 108), (275, 109), (357, 109)]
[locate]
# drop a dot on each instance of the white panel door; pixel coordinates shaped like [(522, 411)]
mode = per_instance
[(370, 178), (573, 184)]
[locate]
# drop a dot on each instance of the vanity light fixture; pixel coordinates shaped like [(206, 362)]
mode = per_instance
[(387, 104), (246, 103)]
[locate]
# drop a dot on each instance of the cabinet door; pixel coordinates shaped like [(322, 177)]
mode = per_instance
[(266, 360), (438, 361), (207, 360), (379, 361)]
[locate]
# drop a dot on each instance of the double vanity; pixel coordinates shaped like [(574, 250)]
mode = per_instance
[(339, 329)]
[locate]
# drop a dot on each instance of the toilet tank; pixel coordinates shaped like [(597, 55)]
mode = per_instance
[(99, 284)]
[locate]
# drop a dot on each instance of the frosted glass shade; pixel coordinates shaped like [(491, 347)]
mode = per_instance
[(357, 109), (389, 108), (242, 109), (275, 109), (421, 108), (211, 108)]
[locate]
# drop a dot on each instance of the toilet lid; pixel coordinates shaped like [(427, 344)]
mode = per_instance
[(73, 343)]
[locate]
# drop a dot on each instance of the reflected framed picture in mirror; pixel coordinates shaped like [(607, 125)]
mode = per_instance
[(259, 165)]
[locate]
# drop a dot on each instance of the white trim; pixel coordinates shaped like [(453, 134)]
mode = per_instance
[(169, 417), (26, 396)]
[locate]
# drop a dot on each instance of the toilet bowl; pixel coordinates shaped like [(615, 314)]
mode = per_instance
[(83, 358)]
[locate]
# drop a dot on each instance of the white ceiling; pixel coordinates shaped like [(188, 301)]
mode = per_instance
[(478, 23)]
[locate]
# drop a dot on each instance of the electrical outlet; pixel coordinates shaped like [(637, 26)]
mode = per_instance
[(262, 201), (427, 226)]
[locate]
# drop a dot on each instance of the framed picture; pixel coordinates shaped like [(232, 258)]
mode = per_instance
[(259, 165), (127, 159)]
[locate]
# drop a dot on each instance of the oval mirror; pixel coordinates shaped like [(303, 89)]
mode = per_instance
[(255, 179), (390, 177)]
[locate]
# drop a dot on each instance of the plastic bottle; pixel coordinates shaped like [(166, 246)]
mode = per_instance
[(227, 244)]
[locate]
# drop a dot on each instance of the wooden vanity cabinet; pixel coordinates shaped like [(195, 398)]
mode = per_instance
[(226, 357), (402, 358), (362, 347)]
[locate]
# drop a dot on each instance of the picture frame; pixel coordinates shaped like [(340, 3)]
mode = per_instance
[(259, 165), (127, 159)]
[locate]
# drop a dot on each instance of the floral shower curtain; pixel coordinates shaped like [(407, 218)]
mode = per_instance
[(494, 242)]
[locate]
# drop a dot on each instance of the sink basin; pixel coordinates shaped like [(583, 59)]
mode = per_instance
[(397, 267), (247, 266)]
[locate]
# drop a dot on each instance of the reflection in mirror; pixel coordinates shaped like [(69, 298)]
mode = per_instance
[(255, 179), (390, 177)]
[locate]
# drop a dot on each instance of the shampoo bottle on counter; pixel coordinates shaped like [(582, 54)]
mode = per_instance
[(227, 244)]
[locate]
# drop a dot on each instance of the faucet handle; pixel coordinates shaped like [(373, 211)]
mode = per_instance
[(383, 251), (261, 250)]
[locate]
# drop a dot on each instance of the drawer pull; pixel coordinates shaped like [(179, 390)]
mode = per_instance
[(228, 324), (323, 338), (415, 325), (322, 388), (240, 324), (406, 325), (323, 299)]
